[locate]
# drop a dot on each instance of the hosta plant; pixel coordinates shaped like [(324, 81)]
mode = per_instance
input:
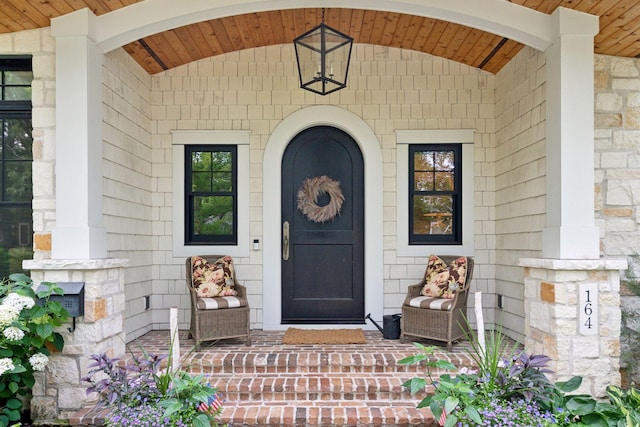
[(27, 331), (626, 405)]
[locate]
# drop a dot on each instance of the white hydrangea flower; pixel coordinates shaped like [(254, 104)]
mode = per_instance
[(13, 334), (18, 301), (6, 364), (38, 361), (8, 314)]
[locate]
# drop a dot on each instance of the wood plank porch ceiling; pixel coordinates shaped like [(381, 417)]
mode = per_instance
[(619, 31)]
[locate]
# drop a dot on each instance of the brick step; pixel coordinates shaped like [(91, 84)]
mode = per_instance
[(317, 389), (348, 387), (302, 362), (275, 385), (302, 413), (327, 413)]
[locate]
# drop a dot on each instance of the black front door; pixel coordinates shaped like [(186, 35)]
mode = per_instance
[(323, 258)]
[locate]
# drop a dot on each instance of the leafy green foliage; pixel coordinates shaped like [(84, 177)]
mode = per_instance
[(514, 391), (27, 330), (630, 325), (211, 178), (213, 215), (433, 180), (625, 406), (141, 393), (16, 192), (17, 143), (453, 395)]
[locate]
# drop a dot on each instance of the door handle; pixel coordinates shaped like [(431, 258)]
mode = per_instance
[(285, 240)]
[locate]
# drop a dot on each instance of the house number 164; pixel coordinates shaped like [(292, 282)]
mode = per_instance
[(588, 309)]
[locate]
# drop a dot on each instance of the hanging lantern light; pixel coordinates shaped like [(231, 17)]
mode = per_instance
[(323, 55)]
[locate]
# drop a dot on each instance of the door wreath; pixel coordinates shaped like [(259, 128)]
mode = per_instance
[(308, 195)]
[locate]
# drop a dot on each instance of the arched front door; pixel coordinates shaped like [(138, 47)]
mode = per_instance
[(323, 262)]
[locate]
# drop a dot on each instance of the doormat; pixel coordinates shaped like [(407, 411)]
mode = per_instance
[(324, 336)]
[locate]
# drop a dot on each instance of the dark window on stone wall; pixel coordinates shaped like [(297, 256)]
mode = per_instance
[(16, 157)]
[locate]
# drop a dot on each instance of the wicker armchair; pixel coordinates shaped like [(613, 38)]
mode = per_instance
[(442, 322), (211, 319)]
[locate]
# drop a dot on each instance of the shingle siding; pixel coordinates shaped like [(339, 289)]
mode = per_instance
[(389, 88), (520, 184)]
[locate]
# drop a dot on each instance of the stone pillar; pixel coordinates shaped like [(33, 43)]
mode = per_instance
[(570, 231), (572, 314), (58, 391)]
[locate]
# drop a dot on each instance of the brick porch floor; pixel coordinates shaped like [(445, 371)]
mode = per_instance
[(271, 384)]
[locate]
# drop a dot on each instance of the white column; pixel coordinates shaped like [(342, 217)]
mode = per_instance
[(570, 231), (79, 231)]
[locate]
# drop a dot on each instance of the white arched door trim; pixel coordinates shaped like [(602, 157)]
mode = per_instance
[(359, 130)]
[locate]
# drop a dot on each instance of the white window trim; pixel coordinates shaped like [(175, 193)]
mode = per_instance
[(180, 138), (404, 138)]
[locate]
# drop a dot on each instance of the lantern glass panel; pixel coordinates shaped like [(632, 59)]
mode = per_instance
[(323, 59)]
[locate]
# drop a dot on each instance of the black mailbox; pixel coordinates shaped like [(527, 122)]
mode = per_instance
[(72, 300)]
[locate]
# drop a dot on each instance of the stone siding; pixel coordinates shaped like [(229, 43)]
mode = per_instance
[(617, 161), (41, 45), (617, 170), (555, 313), (59, 390)]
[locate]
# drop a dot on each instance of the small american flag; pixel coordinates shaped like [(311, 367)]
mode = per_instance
[(211, 406), (443, 417)]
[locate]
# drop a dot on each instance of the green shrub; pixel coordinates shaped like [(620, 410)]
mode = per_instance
[(26, 331), (625, 406), (142, 394), (630, 322), (510, 387)]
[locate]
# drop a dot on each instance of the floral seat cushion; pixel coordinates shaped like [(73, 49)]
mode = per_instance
[(220, 303), (212, 280), (442, 280)]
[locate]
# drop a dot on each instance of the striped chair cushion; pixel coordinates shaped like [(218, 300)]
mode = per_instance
[(219, 303), (431, 303)]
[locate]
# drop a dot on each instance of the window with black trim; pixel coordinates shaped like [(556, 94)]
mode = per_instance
[(211, 195), (16, 157), (435, 194)]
